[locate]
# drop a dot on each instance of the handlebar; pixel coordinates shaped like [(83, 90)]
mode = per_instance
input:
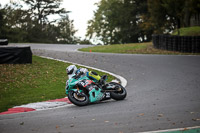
[(78, 75)]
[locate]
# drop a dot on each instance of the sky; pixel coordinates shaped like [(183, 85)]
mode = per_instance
[(81, 12)]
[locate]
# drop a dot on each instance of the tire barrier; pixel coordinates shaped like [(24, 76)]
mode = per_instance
[(3, 41), (15, 55), (185, 44)]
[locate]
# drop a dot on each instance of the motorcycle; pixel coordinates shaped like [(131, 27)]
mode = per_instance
[(82, 90)]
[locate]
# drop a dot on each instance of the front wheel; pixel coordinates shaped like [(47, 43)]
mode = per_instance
[(77, 99), (119, 93)]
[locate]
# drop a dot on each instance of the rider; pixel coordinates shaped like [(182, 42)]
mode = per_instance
[(72, 71)]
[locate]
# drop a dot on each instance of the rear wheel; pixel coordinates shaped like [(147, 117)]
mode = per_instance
[(79, 100), (119, 93)]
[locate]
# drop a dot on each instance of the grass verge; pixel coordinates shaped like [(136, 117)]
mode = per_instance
[(42, 80), (188, 31), (132, 48)]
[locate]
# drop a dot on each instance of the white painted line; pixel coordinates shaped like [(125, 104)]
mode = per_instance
[(43, 105), (171, 130), (122, 79)]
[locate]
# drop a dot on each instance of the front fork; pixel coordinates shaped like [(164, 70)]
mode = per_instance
[(79, 92)]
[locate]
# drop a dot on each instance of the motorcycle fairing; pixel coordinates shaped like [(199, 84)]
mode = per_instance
[(95, 95)]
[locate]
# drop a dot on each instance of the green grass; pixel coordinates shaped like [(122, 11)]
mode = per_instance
[(189, 31), (42, 80), (117, 48), (132, 48)]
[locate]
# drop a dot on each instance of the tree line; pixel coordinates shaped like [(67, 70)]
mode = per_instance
[(127, 21), (31, 24), (115, 21)]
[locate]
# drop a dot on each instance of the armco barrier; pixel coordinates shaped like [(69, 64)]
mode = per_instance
[(189, 44)]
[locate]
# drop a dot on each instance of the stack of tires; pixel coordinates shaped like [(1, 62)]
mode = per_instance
[(187, 44), (156, 41), (3, 41)]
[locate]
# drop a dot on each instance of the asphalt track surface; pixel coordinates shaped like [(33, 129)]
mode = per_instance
[(163, 93)]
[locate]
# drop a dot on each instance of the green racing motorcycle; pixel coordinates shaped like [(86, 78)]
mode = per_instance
[(83, 90)]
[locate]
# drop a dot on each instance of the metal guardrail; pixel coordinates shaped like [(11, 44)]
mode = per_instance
[(186, 44)]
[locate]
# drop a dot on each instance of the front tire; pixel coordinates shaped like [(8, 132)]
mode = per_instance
[(120, 92), (78, 100)]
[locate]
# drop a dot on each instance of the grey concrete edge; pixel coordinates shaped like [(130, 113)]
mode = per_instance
[(122, 80)]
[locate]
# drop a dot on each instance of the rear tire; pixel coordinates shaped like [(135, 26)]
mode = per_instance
[(78, 100), (119, 94)]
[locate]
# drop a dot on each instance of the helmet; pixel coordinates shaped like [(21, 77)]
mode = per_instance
[(71, 69)]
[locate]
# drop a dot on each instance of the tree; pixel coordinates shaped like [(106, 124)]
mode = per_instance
[(166, 15), (32, 25), (41, 9), (117, 21), (42, 30), (66, 31), (2, 23), (103, 24), (14, 21)]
